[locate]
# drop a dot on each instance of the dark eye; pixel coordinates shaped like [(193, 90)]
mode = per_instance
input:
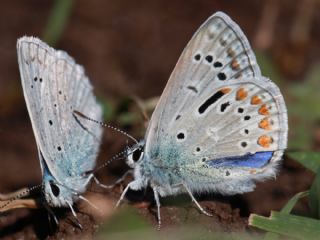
[(54, 188), (136, 155)]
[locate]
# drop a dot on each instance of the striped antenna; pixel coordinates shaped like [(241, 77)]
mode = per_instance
[(115, 157), (21, 195), (75, 112)]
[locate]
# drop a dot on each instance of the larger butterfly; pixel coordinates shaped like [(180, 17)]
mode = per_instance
[(53, 85), (219, 125)]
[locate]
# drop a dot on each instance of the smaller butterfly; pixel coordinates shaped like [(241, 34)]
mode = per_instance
[(53, 86), (219, 125)]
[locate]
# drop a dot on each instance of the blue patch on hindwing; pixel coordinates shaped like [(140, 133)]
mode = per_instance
[(256, 160), (47, 175)]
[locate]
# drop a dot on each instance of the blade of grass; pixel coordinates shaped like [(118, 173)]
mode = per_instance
[(287, 209), (57, 21), (314, 198), (288, 225), (293, 201)]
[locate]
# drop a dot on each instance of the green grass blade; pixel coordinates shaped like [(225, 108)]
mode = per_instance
[(293, 201), (289, 225), (57, 21), (310, 160), (287, 209), (314, 198)]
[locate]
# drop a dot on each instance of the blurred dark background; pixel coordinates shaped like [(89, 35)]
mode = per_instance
[(129, 48)]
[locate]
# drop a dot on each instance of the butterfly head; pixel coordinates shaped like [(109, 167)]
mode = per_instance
[(60, 195), (135, 154)]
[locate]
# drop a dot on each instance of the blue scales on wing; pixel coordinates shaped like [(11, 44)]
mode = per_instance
[(256, 160)]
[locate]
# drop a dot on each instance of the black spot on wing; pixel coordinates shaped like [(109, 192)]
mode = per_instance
[(197, 57), (193, 89), (209, 58), (224, 106), (211, 100), (222, 76), (180, 136), (217, 64)]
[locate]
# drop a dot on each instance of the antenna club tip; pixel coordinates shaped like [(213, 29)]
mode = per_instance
[(105, 125), (79, 113)]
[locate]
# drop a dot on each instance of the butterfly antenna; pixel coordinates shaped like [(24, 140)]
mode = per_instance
[(19, 195), (105, 125), (115, 157)]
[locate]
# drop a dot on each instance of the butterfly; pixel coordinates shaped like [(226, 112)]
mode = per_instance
[(53, 86), (219, 125)]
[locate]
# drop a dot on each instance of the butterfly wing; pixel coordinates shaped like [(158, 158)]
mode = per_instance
[(218, 51), (237, 136), (53, 86), (216, 108)]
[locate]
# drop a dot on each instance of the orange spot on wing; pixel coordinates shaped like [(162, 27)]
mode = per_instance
[(253, 171), (264, 124), (225, 90), (263, 110), (241, 94), (235, 64), (265, 141), (255, 100)]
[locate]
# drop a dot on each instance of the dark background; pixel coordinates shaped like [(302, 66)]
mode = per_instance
[(129, 48)]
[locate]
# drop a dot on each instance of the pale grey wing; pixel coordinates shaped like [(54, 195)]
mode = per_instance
[(234, 118), (218, 51), (53, 86), (234, 133)]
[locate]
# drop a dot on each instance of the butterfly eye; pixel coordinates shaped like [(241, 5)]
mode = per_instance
[(54, 188), (137, 154)]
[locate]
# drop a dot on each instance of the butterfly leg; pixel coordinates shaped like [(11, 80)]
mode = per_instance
[(156, 198), (88, 179), (51, 213), (134, 185), (80, 196), (121, 179), (196, 202), (75, 215)]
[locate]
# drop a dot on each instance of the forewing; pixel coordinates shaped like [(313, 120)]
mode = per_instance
[(217, 52), (53, 86)]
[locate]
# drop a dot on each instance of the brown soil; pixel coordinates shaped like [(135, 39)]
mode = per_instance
[(127, 48)]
